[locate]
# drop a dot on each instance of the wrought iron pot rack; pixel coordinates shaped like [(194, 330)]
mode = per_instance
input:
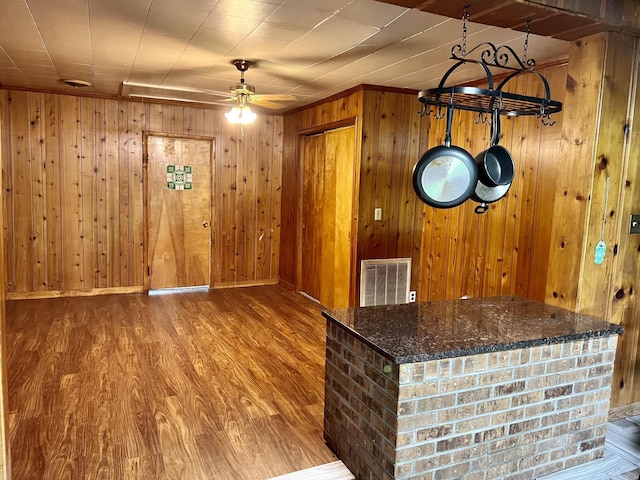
[(490, 100)]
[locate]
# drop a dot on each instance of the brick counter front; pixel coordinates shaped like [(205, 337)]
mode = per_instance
[(466, 396)]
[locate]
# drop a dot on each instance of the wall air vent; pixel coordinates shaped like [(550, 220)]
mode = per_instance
[(385, 281)]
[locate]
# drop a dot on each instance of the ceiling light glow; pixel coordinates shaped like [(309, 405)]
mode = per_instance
[(241, 115)]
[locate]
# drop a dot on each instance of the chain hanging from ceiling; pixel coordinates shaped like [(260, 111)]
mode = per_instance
[(492, 99)]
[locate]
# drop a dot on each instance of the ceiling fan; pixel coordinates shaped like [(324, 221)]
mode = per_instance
[(242, 93), (245, 93)]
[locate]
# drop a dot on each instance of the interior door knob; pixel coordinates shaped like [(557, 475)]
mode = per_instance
[(205, 224)]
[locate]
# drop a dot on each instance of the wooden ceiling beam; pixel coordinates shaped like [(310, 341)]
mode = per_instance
[(563, 19)]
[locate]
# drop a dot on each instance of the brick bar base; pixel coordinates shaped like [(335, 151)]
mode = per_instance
[(516, 414)]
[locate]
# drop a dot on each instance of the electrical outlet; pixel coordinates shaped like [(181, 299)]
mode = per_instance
[(412, 296), (377, 214), (634, 224)]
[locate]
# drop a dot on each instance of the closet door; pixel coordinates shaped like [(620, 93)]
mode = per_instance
[(327, 215)]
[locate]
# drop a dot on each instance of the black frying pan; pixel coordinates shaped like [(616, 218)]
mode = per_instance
[(445, 176)]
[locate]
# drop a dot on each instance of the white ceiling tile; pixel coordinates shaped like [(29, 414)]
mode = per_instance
[(307, 47), (230, 23), (16, 23), (255, 47), (174, 21), (376, 14), (246, 9), (215, 41), (292, 16), (332, 6), (195, 58), (277, 32), (336, 35), (203, 5), (119, 12)]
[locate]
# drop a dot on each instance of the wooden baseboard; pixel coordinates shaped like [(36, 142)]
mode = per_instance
[(624, 411), (246, 283), (89, 292), (287, 285)]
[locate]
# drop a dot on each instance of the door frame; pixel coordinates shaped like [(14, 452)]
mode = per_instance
[(347, 122), (145, 201)]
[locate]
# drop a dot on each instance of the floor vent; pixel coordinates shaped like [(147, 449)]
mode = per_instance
[(385, 281)]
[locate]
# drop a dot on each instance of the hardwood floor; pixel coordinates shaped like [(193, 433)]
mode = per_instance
[(220, 385), (226, 384)]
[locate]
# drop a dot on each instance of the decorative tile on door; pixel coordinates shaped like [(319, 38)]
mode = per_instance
[(179, 177)]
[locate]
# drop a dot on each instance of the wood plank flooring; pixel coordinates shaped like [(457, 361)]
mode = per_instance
[(220, 385), (227, 384)]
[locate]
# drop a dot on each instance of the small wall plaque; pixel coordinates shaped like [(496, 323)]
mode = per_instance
[(179, 177)]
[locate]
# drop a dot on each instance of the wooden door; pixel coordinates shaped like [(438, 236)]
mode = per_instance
[(179, 211), (327, 216)]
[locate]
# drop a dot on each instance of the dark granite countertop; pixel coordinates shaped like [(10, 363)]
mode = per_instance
[(417, 332)]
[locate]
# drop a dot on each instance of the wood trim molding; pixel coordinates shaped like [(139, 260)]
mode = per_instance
[(246, 283), (90, 292), (347, 122), (624, 411)]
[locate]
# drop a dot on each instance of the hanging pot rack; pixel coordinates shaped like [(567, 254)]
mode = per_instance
[(490, 100)]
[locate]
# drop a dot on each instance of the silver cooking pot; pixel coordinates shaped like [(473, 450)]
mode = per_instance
[(495, 170)]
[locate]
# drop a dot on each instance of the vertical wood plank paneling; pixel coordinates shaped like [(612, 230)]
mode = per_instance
[(584, 78), (227, 224), (548, 173), (74, 183), (112, 195), (608, 291), (135, 120), (5, 453), (289, 196), (481, 255), (310, 118), (21, 226), (247, 221), (38, 181), (71, 193), (89, 191), (262, 235), (125, 137), (53, 196), (101, 220), (595, 295), (8, 274), (625, 310), (382, 190), (368, 168), (275, 194)]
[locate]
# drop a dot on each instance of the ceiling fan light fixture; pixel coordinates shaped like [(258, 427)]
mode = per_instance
[(242, 115)]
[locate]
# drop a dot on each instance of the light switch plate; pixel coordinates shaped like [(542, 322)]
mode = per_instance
[(634, 224), (377, 214)]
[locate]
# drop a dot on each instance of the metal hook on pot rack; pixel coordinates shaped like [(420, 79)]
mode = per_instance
[(482, 118)]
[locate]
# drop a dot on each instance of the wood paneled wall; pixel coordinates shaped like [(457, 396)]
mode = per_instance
[(600, 141), (5, 450), (316, 116), (74, 198), (246, 188), (391, 137)]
